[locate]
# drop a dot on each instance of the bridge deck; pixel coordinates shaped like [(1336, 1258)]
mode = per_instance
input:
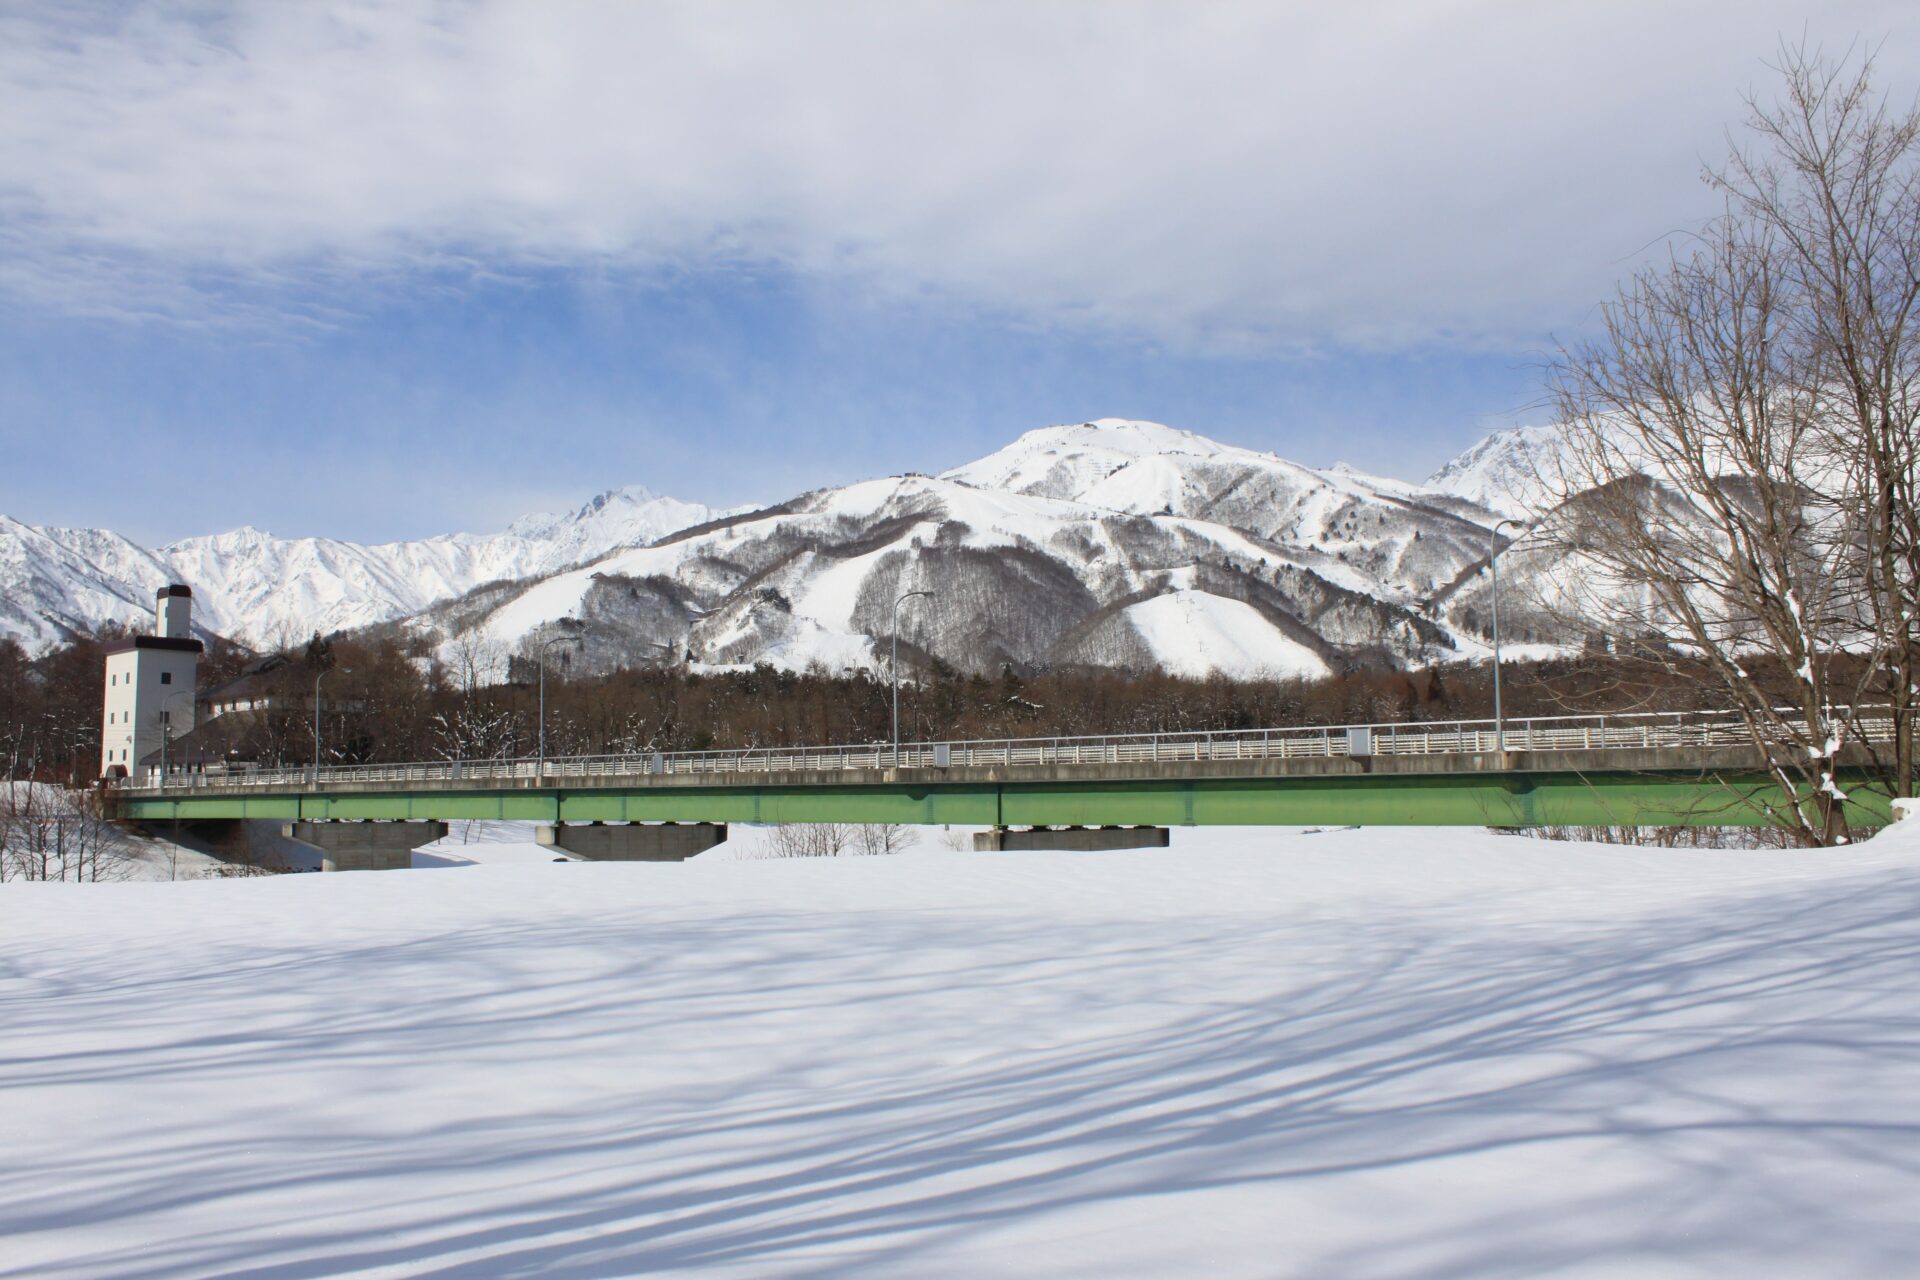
[(1573, 771)]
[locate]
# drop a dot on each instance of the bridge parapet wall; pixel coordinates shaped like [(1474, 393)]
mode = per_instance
[(1717, 759)]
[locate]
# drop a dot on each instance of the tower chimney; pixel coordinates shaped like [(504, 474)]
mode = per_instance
[(172, 609)]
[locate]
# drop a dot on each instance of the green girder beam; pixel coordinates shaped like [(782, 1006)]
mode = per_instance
[(1465, 799)]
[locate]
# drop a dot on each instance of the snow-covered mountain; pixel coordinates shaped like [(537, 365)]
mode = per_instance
[(263, 590), (1385, 537), (1110, 543)]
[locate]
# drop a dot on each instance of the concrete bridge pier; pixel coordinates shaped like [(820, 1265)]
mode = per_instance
[(365, 846), (1075, 839), (632, 841)]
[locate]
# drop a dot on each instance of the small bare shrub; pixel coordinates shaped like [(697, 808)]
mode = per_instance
[(873, 838), (809, 839), (1668, 837)]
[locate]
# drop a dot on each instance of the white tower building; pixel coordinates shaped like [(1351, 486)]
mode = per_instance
[(150, 686)]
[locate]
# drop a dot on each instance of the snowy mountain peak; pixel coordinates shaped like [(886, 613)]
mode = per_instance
[(1067, 461), (1127, 437), (1508, 472), (246, 537), (630, 502)]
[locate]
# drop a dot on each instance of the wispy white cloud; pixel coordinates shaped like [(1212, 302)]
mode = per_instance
[(1258, 175)]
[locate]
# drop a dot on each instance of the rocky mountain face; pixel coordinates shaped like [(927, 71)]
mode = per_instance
[(1113, 543)]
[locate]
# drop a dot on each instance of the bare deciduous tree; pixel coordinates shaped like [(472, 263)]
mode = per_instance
[(1835, 178), (875, 838), (810, 839), (52, 833), (1738, 477)]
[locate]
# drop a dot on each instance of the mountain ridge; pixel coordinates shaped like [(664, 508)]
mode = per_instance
[(1116, 542), (263, 590)]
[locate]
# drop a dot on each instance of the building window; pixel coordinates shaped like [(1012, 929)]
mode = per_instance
[(166, 677)]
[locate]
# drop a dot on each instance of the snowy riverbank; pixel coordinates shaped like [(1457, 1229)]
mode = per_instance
[(1352, 1053)]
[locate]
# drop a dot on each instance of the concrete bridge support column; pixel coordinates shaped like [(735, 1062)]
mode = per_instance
[(632, 841), (1077, 839), (365, 846)]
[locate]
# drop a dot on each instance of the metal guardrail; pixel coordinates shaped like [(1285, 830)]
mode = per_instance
[(1645, 730)]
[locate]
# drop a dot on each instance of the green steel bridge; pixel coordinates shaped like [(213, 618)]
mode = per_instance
[(1682, 769)]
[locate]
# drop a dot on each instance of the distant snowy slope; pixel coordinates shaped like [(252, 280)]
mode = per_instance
[(56, 581), (263, 590), (267, 590), (629, 517)]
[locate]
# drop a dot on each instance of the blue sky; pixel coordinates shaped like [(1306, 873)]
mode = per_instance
[(465, 410), (384, 270)]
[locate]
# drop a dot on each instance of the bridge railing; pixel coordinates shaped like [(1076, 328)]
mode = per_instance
[(1676, 731)]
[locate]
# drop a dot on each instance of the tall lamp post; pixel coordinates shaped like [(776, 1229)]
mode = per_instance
[(895, 668), (317, 678), (542, 659), (1493, 563)]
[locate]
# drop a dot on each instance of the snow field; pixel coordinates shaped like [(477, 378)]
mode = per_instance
[(1192, 633), (1259, 1053)]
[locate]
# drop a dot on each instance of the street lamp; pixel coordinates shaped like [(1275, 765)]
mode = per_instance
[(317, 678), (541, 651), (1493, 563), (896, 669)]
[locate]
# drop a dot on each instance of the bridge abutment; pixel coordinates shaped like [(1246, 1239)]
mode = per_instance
[(1072, 839), (365, 846), (632, 841)]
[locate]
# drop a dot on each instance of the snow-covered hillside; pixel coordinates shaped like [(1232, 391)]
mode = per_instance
[(1258, 1053), (55, 581), (1016, 577), (263, 590), (1112, 543)]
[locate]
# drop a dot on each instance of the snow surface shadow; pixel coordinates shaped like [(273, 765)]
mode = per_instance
[(1416, 1046), (423, 859)]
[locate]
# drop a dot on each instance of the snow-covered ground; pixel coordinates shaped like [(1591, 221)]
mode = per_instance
[(1257, 1053)]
